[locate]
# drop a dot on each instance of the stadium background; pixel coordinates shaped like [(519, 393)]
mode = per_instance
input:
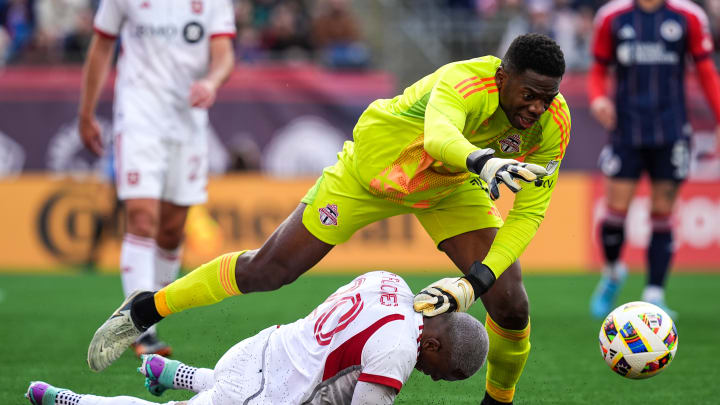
[(303, 76)]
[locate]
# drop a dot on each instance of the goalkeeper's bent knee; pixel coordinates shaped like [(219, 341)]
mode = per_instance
[(208, 284)]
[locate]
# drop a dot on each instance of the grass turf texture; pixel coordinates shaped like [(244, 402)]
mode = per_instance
[(47, 323)]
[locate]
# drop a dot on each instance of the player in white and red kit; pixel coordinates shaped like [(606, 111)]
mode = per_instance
[(174, 55), (357, 347)]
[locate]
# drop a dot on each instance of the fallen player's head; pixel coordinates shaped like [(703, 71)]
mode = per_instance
[(528, 78), (453, 346)]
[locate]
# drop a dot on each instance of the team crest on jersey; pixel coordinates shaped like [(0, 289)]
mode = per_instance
[(670, 30), (196, 6), (511, 144), (329, 215)]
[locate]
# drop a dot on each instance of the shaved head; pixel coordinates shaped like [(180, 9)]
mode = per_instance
[(453, 347)]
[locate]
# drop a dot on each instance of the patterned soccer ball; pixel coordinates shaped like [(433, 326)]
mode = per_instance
[(638, 340)]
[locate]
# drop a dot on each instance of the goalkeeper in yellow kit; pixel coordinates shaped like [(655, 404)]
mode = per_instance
[(438, 151)]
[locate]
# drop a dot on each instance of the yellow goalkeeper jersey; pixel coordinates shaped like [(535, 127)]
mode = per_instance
[(412, 149)]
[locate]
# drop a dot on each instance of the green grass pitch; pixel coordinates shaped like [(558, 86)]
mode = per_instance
[(46, 323)]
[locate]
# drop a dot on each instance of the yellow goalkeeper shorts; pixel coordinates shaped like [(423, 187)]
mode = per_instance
[(338, 205)]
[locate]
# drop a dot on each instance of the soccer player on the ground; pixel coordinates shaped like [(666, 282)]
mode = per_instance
[(357, 347), (426, 152), (647, 42), (173, 59)]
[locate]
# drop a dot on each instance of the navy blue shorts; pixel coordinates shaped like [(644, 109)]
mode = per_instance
[(666, 162)]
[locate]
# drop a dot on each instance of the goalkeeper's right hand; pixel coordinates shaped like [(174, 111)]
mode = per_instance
[(446, 295), (497, 170), (454, 294)]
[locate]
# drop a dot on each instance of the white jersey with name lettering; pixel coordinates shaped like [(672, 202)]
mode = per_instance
[(365, 331), (165, 48)]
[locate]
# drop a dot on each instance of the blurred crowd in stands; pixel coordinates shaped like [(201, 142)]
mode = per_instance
[(59, 31), (328, 32)]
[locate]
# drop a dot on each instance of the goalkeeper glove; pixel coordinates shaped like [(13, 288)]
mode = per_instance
[(493, 170), (454, 294)]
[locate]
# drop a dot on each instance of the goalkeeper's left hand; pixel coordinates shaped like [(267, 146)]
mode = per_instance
[(454, 294), (497, 170)]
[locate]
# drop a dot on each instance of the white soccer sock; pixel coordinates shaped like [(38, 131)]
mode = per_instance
[(193, 379), (123, 400), (137, 259), (167, 266), (653, 293), (71, 398)]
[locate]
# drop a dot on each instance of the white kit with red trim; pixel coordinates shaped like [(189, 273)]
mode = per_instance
[(365, 331), (165, 48)]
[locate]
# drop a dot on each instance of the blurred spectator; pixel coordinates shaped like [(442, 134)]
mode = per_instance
[(568, 22), (283, 38), (336, 35), (18, 19), (537, 18), (64, 29), (573, 30)]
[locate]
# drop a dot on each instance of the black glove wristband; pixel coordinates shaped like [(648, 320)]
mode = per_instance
[(476, 160), (481, 278)]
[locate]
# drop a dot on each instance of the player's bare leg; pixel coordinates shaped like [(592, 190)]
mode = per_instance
[(612, 236), (660, 249), (289, 252), (507, 322)]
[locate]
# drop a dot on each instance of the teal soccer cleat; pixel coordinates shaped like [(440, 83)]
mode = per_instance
[(607, 290), (42, 393), (159, 373)]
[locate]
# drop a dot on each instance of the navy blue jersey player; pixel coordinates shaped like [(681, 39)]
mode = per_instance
[(647, 42)]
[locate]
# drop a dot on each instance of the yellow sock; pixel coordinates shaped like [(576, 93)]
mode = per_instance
[(509, 350), (208, 284)]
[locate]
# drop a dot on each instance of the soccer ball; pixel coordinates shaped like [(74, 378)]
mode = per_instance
[(638, 340)]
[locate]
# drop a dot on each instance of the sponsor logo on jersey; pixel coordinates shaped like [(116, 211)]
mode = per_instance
[(193, 32), (671, 30), (645, 53), (167, 31), (145, 5), (511, 144), (329, 215)]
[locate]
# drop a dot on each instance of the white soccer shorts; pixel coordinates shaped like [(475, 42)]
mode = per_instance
[(240, 374), (148, 166)]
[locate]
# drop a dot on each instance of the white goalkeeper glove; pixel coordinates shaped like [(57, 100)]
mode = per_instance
[(446, 295), (454, 294), (497, 170)]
